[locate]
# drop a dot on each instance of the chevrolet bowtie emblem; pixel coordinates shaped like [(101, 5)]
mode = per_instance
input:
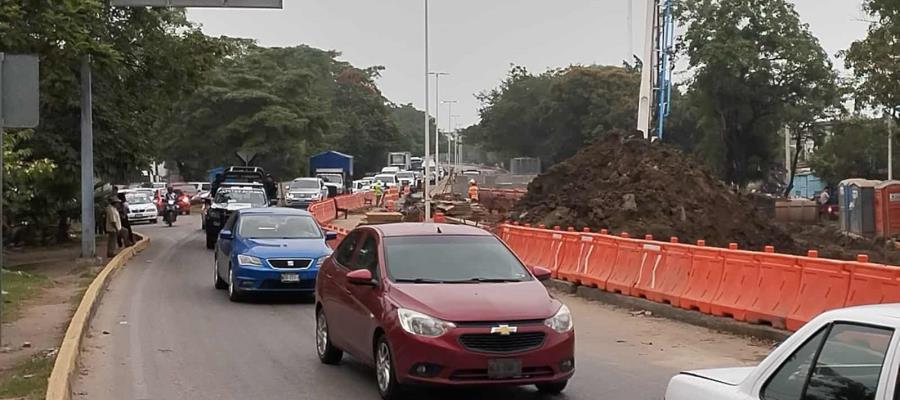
[(504, 330)]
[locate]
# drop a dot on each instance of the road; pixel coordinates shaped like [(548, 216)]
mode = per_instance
[(162, 332)]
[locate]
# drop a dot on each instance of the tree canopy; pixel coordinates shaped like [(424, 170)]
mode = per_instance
[(874, 60), (284, 104), (553, 114), (143, 61), (755, 69)]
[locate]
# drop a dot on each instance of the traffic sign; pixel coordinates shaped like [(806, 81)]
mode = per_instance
[(199, 3), (19, 82)]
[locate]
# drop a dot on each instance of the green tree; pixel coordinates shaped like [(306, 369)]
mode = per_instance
[(756, 69), (553, 114), (855, 149), (874, 59), (283, 104), (143, 61)]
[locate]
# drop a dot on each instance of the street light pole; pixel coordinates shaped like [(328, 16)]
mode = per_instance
[(437, 119), (427, 196), (449, 104)]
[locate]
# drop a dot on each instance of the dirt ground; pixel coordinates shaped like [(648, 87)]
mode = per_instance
[(44, 317), (626, 184)]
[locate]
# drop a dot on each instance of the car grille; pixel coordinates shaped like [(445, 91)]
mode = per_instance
[(482, 374), (308, 284), (298, 263), (493, 343)]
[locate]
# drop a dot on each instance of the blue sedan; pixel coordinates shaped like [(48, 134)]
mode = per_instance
[(270, 250)]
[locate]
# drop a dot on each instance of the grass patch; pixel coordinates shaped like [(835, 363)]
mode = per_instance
[(27, 380), (19, 287)]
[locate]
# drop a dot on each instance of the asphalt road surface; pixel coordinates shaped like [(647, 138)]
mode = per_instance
[(163, 332)]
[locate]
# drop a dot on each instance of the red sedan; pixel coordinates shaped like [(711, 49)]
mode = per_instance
[(441, 304)]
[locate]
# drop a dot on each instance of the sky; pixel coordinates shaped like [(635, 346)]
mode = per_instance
[(476, 41)]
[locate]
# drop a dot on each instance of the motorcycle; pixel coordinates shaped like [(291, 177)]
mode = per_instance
[(171, 211)]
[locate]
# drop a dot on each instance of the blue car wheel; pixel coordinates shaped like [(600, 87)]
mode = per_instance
[(234, 294)]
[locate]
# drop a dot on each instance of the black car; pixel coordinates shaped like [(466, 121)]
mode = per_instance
[(229, 198)]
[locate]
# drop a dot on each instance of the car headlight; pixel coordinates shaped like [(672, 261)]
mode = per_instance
[(562, 321), (320, 261), (244, 259), (421, 324), (290, 195)]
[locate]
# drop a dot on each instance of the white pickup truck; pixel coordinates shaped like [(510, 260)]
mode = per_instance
[(846, 354)]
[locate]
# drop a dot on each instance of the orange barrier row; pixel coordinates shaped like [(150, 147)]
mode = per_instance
[(341, 234), (354, 201), (324, 211), (784, 291)]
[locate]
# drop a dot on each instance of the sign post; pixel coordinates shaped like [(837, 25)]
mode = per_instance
[(19, 108)]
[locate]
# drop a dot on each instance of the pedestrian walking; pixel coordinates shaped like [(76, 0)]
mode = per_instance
[(113, 226)]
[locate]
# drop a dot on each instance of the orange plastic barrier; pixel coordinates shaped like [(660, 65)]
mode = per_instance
[(738, 288), (533, 242), (704, 280), (548, 251), (626, 268), (599, 261), (824, 285), (872, 284), (324, 211), (777, 284), (672, 275), (651, 258), (570, 254), (351, 201), (572, 271)]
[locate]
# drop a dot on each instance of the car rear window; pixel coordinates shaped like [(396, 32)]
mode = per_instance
[(255, 198), (279, 227), (453, 259)]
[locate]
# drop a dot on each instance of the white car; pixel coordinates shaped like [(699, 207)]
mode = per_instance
[(846, 354), (140, 205), (390, 170), (388, 180)]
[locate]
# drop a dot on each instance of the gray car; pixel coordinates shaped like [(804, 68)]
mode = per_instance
[(304, 191)]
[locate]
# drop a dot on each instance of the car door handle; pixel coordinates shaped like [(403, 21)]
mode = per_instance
[(328, 276)]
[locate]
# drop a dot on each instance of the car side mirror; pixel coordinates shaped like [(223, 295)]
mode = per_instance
[(361, 277), (331, 235), (226, 234), (541, 273)]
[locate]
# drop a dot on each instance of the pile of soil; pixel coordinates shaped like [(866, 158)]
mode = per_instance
[(627, 184)]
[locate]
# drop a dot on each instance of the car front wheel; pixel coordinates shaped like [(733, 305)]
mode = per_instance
[(328, 354), (220, 283), (553, 387), (234, 294), (388, 387)]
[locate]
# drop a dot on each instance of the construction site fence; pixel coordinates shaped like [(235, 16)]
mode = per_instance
[(761, 287), (327, 210)]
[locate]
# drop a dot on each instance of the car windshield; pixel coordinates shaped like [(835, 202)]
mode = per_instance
[(138, 198), (253, 197), (305, 184), (332, 178), (452, 259), (279, 227), (386, 178), (406, 175)]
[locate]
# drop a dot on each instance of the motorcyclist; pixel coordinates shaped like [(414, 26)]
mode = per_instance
[(170, 194)]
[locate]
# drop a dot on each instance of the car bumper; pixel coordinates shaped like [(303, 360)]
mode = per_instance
[(265, 279), (143, 217), (299, 203), (456, 365)]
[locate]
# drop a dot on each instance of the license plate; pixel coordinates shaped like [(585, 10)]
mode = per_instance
[(504, 368), (290, 278)]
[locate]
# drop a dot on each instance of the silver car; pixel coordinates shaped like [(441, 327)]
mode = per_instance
[(304, 191)]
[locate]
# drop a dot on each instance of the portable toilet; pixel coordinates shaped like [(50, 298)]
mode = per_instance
[(887, 209), (862, 207)]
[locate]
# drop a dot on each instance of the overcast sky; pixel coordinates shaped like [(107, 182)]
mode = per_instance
[(476, 40)]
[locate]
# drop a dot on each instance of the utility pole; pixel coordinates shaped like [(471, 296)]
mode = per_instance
[(437, 119), (449, 104), (88, 239), (427, 124), (890, 126)]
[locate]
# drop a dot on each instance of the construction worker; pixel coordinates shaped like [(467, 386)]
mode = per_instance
[(473, 190), (379, 193)]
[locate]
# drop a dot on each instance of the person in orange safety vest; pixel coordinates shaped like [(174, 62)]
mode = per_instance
[(473, 190)]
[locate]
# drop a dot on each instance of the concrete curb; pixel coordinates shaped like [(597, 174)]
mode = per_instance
[(59, 386), (667, 311)]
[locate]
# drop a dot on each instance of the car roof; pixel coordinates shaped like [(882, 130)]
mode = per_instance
[(880, 314), (428, 229), (274, 211)]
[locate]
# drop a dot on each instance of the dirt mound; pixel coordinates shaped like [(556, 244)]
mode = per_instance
[(625, 183)]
